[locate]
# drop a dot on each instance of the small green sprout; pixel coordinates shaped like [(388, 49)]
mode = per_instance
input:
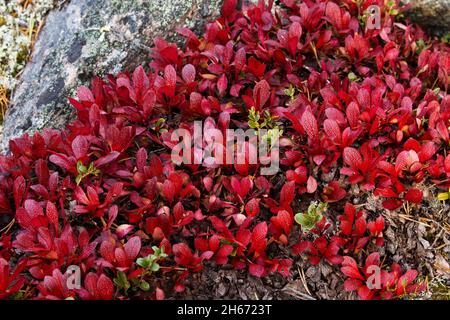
[(290, 91), (269, 123), (253, 118), (313, 216), (159, 125), (84, 171), (446, 38), (272, 135), (352, 77), (391, 8), (121, 281), (150, 264)]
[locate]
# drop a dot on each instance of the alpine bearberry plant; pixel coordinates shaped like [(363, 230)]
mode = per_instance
[(366, 108)]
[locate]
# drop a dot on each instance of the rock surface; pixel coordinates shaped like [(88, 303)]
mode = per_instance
[(433, 15), (92, 37)]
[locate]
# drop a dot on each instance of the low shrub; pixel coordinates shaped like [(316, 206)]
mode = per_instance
[(358, 108)]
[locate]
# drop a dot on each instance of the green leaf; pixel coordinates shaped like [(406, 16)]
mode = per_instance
[(309, 219), (155, 267), (307, 222), (290, 91), (160, 122), (144, 285), (252, 124), (121, 281), (352, 77), (81, 168), (143, 262)]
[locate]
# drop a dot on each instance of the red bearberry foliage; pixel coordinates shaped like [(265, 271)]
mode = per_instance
[(367, 106)]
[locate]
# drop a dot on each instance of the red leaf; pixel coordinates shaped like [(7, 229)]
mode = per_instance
[(132, 247), (107, 250), (353, 113), (311, 185), (140, 79), (352, 284), (332, 130), (105, 288), (110, 157), (256, 270), (183, 254), (188, 73), (168, 190), (228, 7), (259, 241), (261, 93), (405, 159), (287, 193), (84, 94), (80, 147), (377, 226), (223, 253), (256, 67), (350, 269), (365, 293), (159, 293), (309, 124), (222, 85), (141, 159), (447, 164), (19, 188), (427, 151), (352, 157), (170, 75), (373, 260), (392, 204), (252, 207), (407, 278), (52, 213), (333, 12), (414, 196), (283, 220), (360, 226), (333, 192), (61, 161)]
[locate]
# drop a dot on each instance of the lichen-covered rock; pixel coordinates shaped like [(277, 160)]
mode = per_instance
[(19, 21), (85, 38), (433, 15)]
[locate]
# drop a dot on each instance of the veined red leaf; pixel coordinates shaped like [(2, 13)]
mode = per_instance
[(352, 157), (309, 124), (414, 195)]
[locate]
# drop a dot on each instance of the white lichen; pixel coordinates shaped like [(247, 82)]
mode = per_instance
[(19, 20)]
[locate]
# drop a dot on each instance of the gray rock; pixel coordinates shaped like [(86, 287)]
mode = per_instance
[(433, 15), (85, 38)]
